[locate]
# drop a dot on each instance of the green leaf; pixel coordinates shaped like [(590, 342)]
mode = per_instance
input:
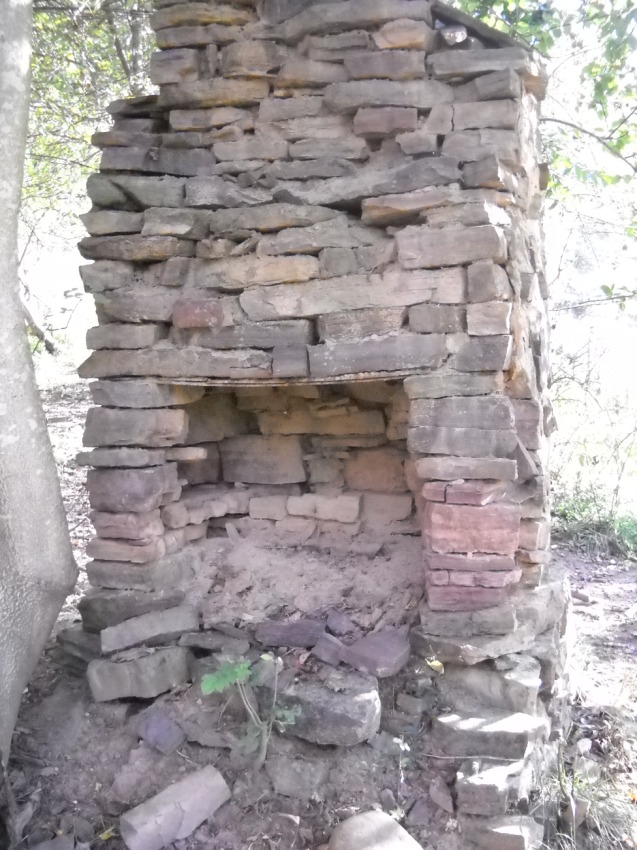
[(225, 677)]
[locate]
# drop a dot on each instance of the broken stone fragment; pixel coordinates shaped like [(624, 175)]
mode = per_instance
[(158, 729), (337, 708), (371, 831), (175, 812), (440, 794), (383, 653), (145, 677)]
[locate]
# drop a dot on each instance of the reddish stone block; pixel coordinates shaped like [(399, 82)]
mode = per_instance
[(473, 492), (534, 534), (452, 598), (494, 529), (476, 562), (484, 579), (434, 491)]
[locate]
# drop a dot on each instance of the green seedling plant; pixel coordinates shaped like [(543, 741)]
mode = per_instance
[(240, 674)]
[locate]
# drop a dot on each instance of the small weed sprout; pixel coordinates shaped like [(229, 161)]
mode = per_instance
[(240, 673)]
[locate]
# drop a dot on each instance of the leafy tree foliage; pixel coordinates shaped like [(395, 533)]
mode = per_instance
[(599, 38), (85, 54)]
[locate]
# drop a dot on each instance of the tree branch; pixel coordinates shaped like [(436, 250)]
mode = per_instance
[(602, 141)]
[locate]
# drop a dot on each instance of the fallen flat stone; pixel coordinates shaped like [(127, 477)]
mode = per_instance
[(100, 609), (371, 831), (144, 677), (382, 654), (151, 629), (175, 812), (301, 633)]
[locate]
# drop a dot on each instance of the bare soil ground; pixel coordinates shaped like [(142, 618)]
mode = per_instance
[(76, 764)]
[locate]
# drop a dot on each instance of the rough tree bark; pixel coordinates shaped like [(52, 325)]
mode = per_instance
[(37, 569)]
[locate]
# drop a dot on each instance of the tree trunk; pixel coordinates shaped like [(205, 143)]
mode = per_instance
[(37, 570)]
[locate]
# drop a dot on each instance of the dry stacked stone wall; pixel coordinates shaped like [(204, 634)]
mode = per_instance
[(318, 272), (322, 194)]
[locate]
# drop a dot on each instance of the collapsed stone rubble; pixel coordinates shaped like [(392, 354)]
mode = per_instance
[(318, 273)]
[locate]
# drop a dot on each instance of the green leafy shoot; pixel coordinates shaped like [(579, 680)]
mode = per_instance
[(225, 677)]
